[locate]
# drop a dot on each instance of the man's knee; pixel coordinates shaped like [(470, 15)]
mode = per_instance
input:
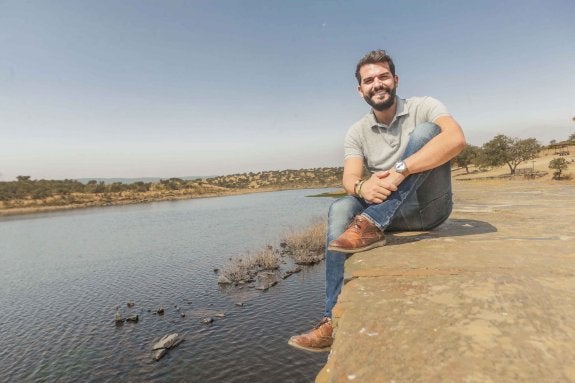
[(425, 132), (421, 135), (342, 211), (344, 206)]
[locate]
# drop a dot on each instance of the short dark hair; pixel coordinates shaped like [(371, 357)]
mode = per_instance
[(374, 57)]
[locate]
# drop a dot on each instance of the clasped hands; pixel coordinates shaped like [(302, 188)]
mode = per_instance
[(380, 185)]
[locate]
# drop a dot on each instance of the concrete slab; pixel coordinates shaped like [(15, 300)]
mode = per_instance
[(489, 296)]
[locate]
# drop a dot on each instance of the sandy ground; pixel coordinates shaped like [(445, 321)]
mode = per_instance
[(540, 164)]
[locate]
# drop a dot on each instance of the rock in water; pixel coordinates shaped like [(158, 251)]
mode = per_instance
[(223, 280), (168, 341), (291, 272), (265, 280), (118, 318), (158, 354)]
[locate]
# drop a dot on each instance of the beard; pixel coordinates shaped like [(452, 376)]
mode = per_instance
[(380, 106)]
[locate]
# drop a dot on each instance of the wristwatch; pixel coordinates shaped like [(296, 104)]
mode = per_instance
[(400, 167)]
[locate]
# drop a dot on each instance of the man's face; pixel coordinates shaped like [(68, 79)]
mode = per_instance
[(378, 86)]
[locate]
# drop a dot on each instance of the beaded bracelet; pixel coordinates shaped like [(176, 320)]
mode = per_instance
[(355, 186), (359, 189)]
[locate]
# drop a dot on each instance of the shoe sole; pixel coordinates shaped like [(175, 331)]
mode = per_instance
[(359, 249), (311, 349)]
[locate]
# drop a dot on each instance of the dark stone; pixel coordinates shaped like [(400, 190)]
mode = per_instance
[(265, 280), (291, 272)]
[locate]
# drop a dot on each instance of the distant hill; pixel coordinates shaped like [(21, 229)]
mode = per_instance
[(127, 181), (30, 195)]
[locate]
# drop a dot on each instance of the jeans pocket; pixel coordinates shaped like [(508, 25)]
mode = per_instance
[(436, 211)]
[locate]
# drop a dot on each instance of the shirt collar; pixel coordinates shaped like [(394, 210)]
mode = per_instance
[(400, 111)]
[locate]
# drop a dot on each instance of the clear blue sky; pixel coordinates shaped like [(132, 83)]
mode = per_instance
[(173, 88)]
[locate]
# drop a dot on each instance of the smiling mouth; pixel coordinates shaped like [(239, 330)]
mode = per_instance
[(380, 93)]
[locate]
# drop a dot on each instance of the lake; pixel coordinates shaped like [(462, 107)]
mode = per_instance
[(64, 273)]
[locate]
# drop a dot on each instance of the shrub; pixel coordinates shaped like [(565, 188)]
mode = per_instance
[(558, 164), (245, 268), (306, 246), (267, 259)]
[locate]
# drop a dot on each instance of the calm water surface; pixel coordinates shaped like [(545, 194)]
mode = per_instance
[(63, 274)]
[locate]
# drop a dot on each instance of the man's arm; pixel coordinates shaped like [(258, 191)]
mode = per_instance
[(440, 149), (443, 147), (352, 172)]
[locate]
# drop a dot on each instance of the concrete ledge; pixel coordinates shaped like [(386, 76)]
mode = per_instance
[(489, 296)]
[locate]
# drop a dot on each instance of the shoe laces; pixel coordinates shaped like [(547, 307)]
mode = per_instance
[(355, 225), (322, 322)]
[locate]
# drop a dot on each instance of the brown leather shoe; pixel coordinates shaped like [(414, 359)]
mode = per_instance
[(318, 339), (360, 235)]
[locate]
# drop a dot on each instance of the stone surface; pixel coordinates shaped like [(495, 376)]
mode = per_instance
[(168, 341), (223, 280), (489, 296), (265, 280)]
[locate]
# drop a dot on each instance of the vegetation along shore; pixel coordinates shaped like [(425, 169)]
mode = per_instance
[(26, 195)]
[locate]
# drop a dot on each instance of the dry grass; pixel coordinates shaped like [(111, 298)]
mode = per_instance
[(246, 267), (306, 246), (236, 271), (267, 259)]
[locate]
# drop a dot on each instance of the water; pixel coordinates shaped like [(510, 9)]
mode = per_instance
[(62, 275)]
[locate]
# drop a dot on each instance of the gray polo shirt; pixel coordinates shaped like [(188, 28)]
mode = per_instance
[(380, 145)]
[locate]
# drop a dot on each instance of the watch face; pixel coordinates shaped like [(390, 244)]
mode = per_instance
[(400, 167)]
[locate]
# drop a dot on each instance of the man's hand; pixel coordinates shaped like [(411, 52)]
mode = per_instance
[(380, 186)]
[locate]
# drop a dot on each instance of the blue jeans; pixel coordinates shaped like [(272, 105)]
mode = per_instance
[(422, 201)]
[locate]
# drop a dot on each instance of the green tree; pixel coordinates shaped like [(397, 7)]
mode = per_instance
[(511, 151), (467, 157), (558, 164), (572, 136)]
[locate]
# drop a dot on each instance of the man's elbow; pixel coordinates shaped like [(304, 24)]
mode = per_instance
[(459, 144)]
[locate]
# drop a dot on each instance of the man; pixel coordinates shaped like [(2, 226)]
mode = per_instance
[(406, 145)]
